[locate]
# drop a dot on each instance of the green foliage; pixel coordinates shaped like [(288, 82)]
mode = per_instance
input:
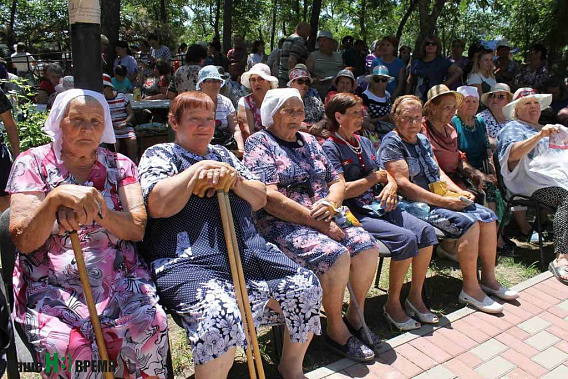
[(29, 120)]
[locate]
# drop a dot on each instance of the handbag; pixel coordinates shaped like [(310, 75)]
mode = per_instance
[(224, 137)]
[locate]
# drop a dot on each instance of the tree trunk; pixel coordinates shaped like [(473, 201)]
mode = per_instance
[(273, 31), (558, 37), (227, 25), (409, 10), (284, 27), (362, 16), (11, 37), (217, 17), (305, 18), (110, 26), (314, 23), (163, 12), (297, 10), (427, 21)]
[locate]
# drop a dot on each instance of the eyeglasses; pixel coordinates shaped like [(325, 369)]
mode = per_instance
[(431, 43), (260, 79), (379, 80), (411, 120), (498, 97), (303, 81), (212, 81)]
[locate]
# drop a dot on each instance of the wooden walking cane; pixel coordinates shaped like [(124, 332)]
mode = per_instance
[(82, 268), (238, 279)]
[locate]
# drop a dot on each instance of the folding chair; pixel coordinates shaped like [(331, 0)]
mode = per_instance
[(520, 200)]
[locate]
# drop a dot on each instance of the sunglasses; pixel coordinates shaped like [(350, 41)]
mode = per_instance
[(431, 43), (379, 80), (498, 97), (303, 81), (525, 93)]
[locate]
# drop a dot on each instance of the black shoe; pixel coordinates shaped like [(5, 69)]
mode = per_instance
[(362, 336), (354, 349)]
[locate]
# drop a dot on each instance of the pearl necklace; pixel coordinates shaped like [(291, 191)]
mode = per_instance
[(357, 150)]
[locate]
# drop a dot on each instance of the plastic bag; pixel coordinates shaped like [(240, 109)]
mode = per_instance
[(560, 139)]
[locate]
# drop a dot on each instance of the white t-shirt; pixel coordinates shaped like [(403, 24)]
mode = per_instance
[(478, 78), (21, 62), (224, 109)]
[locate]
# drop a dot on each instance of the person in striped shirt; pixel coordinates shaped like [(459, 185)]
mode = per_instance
[(122, 119)]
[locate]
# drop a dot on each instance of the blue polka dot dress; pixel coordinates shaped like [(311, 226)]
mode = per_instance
[(188, 256)]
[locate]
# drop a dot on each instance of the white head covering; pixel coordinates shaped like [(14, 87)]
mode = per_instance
[(273, 101), (468, 91), (52, 128)]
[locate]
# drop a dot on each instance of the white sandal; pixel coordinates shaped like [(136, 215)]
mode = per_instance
[(426, 318), (405, 326)]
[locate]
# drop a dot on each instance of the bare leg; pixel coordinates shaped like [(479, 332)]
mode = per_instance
[(420, 265), (521, 219), (467, 248), (333, 283), (292, 357), (217, 368), (397, 272), (488, 253), (362, 273)]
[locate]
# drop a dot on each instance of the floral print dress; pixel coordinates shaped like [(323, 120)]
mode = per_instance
[(49, 300), (287, 165), (189, 259)]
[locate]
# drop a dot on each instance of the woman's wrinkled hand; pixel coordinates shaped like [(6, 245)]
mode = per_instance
[(467, 194), (211, 175), (548, 130), (78, 205), (322, 212), (388, 197), (454, 203), (332, 230), (490, 178)]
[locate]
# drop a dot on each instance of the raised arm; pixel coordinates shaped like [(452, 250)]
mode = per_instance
[(454, 73), (522, 148)]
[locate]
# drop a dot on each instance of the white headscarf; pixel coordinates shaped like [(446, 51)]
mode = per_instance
[(273, 101), (52, 128)]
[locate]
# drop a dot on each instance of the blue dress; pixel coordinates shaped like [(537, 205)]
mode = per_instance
[(188, 256), (423, 170), (288, 164), (402, 233)]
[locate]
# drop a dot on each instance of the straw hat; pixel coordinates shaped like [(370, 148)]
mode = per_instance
[(499, 87), (439, 90), (509, 109), (261, 70), (379, 71)]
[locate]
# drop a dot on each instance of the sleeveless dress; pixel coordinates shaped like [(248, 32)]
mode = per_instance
[(188, 257)]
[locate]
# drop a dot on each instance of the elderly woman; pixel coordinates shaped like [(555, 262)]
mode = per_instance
[(439, 111), (531, 166), (259, 81), (344, 81), (314, 112), (473, 141), (408, 156), (371, 195), (227, 132), (431, 69), (377, 102), (304, 192), (181, 241), (72, 184), (494, 101)]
